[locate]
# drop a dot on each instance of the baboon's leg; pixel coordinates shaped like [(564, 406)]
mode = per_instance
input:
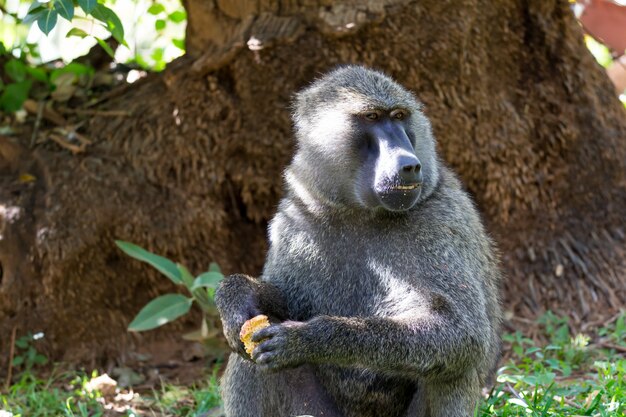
[(250, 392)]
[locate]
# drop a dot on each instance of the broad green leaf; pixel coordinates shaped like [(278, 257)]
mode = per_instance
[(87, 5), (208, 279), (160, 311), (65, 8), (163, 265), (15, 69), (108, 16), (179, 43), (159, 24), (77, 32), (38, 74), (14, 95), (47, 21), (106, 47), (185, 275), (18, 360), (156, 8), (178, 16)]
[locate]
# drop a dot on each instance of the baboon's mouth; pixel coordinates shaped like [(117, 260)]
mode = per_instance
[(407, 187)]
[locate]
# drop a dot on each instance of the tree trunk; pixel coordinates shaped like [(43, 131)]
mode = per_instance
[(520, 109)]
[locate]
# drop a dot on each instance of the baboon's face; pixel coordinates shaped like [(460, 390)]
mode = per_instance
[(363, 140), (389, 172)]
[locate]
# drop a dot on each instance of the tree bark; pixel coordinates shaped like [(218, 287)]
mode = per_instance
[(520, 109)]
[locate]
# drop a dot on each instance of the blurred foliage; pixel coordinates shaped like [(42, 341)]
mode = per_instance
[(41, 42), (600, 52)]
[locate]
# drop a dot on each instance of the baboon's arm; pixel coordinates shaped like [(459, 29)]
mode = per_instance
[(239, 298), (432, 345)]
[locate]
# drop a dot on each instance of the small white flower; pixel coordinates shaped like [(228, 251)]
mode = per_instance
[(36, 336), (4, 413)]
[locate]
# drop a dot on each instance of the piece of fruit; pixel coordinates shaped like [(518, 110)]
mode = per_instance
[(249, 328)]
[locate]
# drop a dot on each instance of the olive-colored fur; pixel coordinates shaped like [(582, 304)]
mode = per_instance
[(377, 311)]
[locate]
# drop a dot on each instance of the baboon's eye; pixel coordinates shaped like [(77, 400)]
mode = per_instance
[(372, 116), (398, 114)]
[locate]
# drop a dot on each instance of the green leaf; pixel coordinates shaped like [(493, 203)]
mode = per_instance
[(40, 359), (47, 21), (208, 279), (106, 47), (65, 8), (18, 360), (160, 311), (213, 267), (14, 95), (77, 32), (23, 342), (34, 13), (87, 5), (185, 275), (163, 265), (15, 69), (179, 43), (38, 74), (74, 68), (159, 24), (108, 16), (156, 8), (178, 16)]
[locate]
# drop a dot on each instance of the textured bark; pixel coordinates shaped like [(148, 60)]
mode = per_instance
[(521, 111)]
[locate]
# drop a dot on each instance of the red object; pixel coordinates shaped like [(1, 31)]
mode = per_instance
[(605, 21)]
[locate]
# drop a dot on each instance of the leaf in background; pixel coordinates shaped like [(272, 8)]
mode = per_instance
[(87, 5), (65, 8), (38, 74), (213, 267), (160, 311), (75, 68), (178, 16), (208, 279), (77, 32), (156, 8), (15, 69), (108, 16), (14, 95), (179, 43), (106, 47), (185, 275), (159, 24), (34, 13), (163, 265), (47, 21)]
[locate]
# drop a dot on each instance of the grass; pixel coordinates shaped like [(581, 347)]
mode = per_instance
[(570, 375)]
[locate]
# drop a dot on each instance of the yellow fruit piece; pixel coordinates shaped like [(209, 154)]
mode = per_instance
[(249, 328)]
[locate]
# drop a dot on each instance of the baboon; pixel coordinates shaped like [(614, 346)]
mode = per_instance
[(380, 281)]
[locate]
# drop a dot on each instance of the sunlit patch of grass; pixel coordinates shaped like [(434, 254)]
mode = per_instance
[(70, 395), (566, 377), (59, 395)]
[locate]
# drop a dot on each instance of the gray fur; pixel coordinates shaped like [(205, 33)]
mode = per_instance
[(376, 312)]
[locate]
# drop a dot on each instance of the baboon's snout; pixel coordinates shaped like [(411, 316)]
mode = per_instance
[(409, 170)]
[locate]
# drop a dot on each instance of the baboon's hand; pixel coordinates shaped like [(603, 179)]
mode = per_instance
[(281, 346), (237, 302)]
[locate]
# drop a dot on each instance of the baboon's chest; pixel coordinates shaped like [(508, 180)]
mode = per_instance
[(369, 273)]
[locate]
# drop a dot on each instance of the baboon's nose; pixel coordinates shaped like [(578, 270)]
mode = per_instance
[(410, 170)]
